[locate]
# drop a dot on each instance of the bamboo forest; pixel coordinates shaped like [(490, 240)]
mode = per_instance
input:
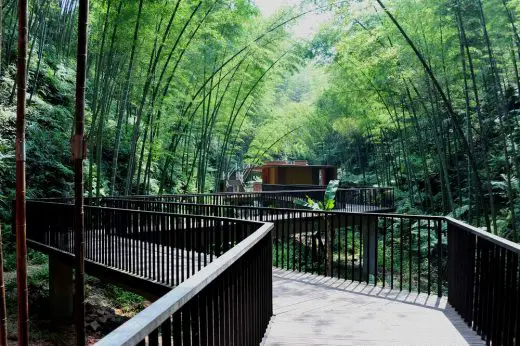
[(183, 97)]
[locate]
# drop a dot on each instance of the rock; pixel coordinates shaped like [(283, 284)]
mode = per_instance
[(94, 325)]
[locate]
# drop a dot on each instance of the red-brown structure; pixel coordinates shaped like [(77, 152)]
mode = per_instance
[(278, 175)]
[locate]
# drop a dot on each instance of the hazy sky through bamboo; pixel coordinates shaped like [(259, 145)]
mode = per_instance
[(306, 27)]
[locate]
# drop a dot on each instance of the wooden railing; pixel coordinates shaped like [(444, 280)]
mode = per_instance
[(484, 282), (158, 246), (229, 302), (352, 199), (397, 251), (477, 271), (220, 268)]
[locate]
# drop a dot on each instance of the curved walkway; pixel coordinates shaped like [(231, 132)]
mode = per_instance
[(315, 310)]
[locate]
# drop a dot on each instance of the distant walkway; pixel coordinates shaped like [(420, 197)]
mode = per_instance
[(315, 310)]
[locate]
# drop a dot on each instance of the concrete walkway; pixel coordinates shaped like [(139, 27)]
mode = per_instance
[(314, 310)]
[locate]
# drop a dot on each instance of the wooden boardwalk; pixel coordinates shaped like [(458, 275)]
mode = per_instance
[(315, 310), (308, 309), (145, 259)]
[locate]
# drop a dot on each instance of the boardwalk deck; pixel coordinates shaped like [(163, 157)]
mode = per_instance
[(308, 309), (315, 310), (148, 260), (163, 264)]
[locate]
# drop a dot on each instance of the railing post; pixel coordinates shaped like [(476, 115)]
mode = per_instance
[(60, 290), (369, 229), (439, 257)]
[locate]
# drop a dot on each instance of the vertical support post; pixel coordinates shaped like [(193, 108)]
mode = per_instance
[(78, 155), (60, 290), (3, 310), (369, 229), (21, 239)]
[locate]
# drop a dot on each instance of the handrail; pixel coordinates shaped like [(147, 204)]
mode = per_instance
[(151, 212), (148, 320), (262, 192), (485, 235), (472, 229), (356, 213), (227, 193)]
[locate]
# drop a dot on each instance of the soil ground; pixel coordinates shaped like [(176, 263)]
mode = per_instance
[(107, 307)]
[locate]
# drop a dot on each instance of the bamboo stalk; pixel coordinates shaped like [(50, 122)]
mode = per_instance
[(1, 32), (78, 153), (21, 241)]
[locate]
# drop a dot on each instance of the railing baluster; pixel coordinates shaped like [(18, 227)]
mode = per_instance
[(283, 237), (183, 228), (186, 325), (346, 227), (199, 234), (353, 254), (439, 258), (221, 312), (419, 256), (499, 296), (429, 259), (192, 236), (516, 319), (410, 244), (361, 249), (298, 224), (392, 235), (384, 252), (367, 250), (338, 232), (153, 338), (166, 333), (508, 292), (401, 253), (150, 247)]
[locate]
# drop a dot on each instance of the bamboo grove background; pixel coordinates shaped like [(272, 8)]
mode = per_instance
[(419, 95)]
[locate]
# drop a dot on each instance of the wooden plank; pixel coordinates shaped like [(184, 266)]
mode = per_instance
[(315, 310)]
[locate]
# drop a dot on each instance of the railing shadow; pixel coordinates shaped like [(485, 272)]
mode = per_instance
[(326, 289)]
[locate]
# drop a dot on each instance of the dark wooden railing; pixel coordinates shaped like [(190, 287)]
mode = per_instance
[(229, 302), (221, 269), (353, 199), (158, 246), (397, 251), (484, 282), (478, 272), (285, 187)]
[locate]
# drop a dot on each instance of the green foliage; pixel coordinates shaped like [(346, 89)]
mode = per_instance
[(328, 198), (181, 106), (124, 299)]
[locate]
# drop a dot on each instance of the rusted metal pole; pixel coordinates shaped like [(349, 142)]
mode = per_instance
[(3, 309), (78, 155), (21, 241)]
